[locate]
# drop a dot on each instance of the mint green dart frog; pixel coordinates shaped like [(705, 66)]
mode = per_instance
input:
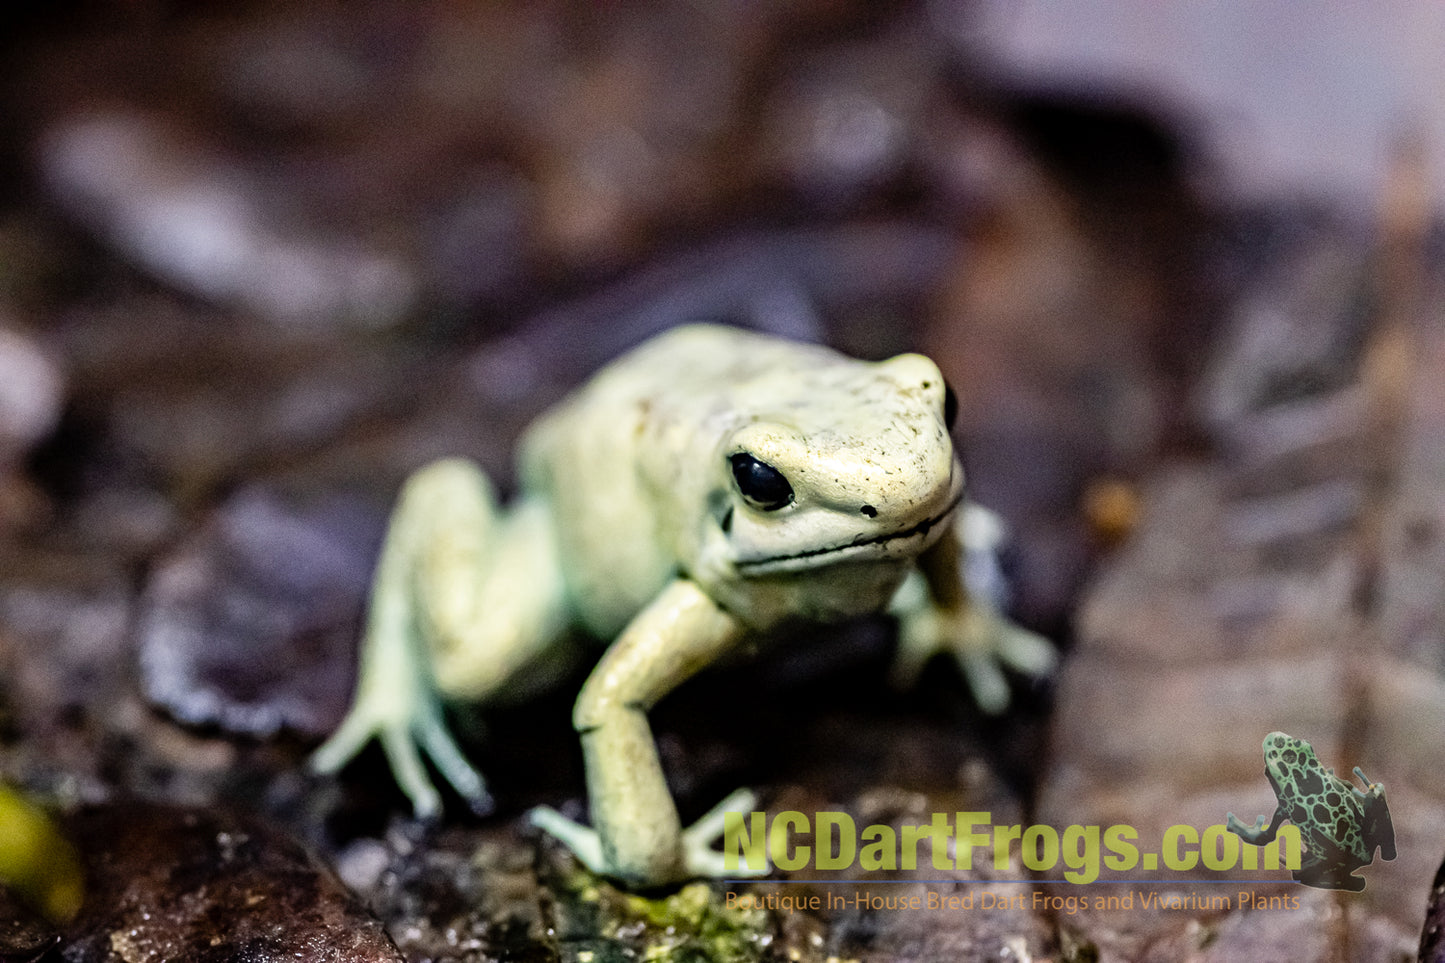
[(1340, 824), (710, 484)]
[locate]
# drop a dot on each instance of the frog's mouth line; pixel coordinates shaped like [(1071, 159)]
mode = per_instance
[(827, 555)]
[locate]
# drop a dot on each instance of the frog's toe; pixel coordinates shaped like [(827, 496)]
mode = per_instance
[(584, 842), (393, 731), (985, 680), (914, 650), (442, 749), (700, 860), (982, 642), (410, 773), (1248, 833), (1025, 651), (408, 738), (992, 643), (349, 739), (704, 861)]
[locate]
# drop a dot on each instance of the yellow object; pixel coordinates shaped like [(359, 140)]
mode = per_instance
[(709, 485), (1112, 508), (36, 862)]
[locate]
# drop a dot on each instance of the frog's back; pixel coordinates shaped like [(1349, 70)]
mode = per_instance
[(612, 458), (697, 361)]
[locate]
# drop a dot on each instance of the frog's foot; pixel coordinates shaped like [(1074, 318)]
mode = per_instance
[(407, 728), (697, 840), (584, 842), (981, 641), (1250, 834), (700, 860), (1328, 876)]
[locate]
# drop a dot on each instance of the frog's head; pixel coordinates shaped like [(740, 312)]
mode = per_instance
[(1294, 772), (848, 463), (1291, 764), (1376, 826)]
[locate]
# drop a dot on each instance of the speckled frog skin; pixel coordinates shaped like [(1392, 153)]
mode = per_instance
[(710, 484), (1340, 824)]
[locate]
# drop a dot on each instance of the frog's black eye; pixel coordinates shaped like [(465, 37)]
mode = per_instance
[(760, 483), (950, 406)]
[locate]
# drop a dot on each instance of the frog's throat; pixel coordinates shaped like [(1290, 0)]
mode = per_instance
[(861, 548)]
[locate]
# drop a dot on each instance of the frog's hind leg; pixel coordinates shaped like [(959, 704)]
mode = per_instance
[(489, 589), (1327, 865), (462, 596), (953, 604)]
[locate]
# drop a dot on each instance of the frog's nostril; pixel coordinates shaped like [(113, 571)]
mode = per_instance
[(869, 510)]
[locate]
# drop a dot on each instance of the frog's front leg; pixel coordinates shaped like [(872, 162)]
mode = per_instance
[(462, 596), (1259, 834), (638, 837), (951, 605)]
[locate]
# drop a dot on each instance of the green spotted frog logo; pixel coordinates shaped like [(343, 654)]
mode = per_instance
[(1340, 824)]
